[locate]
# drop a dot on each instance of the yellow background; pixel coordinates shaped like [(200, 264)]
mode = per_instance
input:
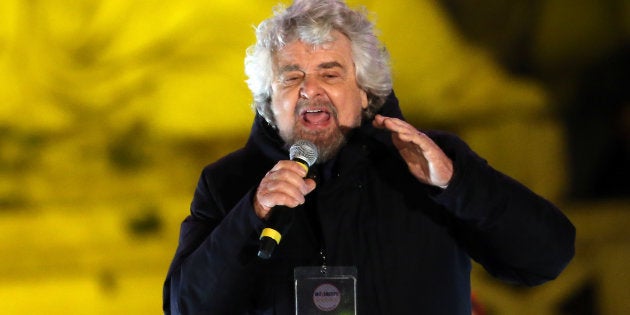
[(109, 110)]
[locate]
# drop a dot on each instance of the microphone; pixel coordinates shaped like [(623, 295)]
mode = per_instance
[(305, 153)]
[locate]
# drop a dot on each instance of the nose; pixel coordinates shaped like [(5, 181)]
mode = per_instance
[(310, 87)]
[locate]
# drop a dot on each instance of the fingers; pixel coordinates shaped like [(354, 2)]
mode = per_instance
[(425, 159), (402, 130), (393, 124), (283, 185)]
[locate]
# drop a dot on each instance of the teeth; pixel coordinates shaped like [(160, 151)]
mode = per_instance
[(314, 111)]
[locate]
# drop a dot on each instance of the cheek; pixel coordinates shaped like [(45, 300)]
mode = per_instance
[(280, 102), (283, 110), (288, 107), (351, 116), (359, 103)]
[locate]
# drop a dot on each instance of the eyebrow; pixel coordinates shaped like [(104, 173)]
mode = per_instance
[(329, 65), (289, 68), (325, 65)]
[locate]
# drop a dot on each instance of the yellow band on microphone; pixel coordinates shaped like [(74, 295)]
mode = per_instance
[(305, 166), (269, 232)]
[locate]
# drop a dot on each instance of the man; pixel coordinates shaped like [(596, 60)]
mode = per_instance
[(407, 209)]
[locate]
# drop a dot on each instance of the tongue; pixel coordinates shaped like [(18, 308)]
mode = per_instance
[(316, 118)]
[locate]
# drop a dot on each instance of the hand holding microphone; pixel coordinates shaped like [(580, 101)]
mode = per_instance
[(283, 188)]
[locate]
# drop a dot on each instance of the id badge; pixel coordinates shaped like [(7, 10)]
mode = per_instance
[(325, 290)]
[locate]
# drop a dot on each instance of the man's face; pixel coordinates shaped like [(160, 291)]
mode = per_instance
[(315, 93)]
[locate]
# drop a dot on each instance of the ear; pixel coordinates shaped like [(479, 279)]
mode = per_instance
[(364, 99)]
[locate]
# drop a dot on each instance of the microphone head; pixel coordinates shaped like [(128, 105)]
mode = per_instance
[(305, 151)]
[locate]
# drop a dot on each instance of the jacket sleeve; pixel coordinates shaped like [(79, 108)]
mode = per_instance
[(213, 270), (515, 234)]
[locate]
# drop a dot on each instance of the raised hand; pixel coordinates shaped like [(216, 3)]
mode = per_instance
[(426, 161)]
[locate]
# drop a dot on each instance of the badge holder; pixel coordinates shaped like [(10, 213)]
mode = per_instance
[(325, 290)]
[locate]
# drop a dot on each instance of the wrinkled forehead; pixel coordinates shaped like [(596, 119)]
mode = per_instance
[(337, 47)]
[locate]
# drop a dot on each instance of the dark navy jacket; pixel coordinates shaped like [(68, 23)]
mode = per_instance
[(410, 242)]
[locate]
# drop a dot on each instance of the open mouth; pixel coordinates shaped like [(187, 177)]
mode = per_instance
[(315, 116)]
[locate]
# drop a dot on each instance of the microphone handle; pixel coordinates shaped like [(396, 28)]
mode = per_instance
[(280, 219)]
